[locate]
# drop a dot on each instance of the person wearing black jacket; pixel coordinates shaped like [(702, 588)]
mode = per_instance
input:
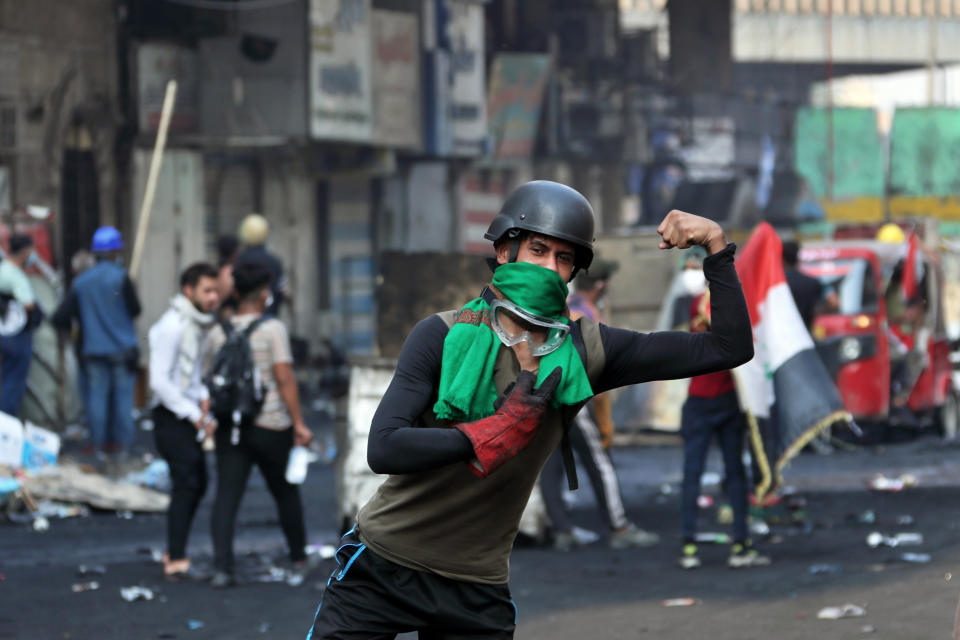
[(480, 399)]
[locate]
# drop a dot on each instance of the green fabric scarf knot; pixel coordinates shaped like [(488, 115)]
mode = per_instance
[(467, 388)]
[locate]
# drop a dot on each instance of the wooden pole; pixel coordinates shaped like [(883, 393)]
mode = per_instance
[(143, 222)]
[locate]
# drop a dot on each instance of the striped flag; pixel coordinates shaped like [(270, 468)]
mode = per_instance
[(785, 390)]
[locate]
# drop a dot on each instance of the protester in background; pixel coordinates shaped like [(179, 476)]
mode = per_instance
[(691, 284), (266, 441), (181, 404), (590, 436), (80, 262), (712, 409), (228, 248), (254, 231), (806, 290), (104, 303), (16, 349)]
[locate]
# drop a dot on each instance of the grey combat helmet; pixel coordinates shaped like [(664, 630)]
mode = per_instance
[(549, 208)]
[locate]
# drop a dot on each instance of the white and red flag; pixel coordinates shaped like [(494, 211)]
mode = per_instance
[(786, 392)]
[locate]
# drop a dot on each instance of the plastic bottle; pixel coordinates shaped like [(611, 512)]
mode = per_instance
[(297, 463)]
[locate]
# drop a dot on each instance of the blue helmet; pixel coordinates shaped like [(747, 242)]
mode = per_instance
[(106, 239)]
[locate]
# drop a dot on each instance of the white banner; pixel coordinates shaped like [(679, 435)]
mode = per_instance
[(158, 63), (396, 79), (341, 101)]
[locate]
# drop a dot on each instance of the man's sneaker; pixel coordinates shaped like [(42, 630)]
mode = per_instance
[(632, 536), (743, 555), (689, 558)]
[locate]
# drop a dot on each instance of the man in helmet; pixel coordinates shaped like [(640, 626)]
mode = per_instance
[(481, 397), (103, 302), (253, 234)]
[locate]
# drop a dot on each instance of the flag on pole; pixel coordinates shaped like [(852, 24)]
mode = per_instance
[(786, 392)]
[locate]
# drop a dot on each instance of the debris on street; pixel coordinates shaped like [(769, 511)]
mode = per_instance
[(881, 482), (193, 625), (86, 570), (916, 558), (80, 587), (679, 602), (818, 569), (131, 594), (875, 539), (845, 611)]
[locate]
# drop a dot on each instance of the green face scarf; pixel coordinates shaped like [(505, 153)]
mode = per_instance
[(467, 390)]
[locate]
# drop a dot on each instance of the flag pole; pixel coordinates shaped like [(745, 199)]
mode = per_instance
[(146, 207)]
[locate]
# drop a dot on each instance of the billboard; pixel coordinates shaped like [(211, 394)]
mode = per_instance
[(396, 80), (341, 100)]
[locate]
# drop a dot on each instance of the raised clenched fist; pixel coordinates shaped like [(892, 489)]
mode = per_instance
[(684, 230)]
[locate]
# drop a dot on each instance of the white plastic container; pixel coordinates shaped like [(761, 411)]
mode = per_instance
[(297, 463)]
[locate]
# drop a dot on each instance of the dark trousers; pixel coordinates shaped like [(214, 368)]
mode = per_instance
[(701, 419), (15, 355), (268, 450), (176, 442), (587, 443), (370, 598)]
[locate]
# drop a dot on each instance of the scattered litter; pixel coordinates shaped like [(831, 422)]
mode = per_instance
[(86, 570), (846, 611), (881, 482), (80, 587), (868, 628), (713, 537), (916, 558), (705, 502), (905, 520), (679, 602), (824, 568), (265, 627), (69, 483), (325, 551), (154, 552), (868, 517), (75, 432), (193, 625), (131, 594), (666, 489), (876, 568), (156, 475), (273, 574), (125, 515), (875, 539), (759, 528), (294, 579), (947, 577), (710, 479), (41, 524)]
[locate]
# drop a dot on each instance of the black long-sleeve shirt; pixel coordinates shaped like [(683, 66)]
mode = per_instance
[(398, 444)]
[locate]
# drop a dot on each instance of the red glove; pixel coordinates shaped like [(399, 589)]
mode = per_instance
[(508, 431)]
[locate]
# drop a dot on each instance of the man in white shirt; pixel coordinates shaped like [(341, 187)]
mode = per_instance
[(181, 405), (16, 349)]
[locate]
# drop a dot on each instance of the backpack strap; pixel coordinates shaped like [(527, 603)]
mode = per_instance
[(448, 317), (253, 326)]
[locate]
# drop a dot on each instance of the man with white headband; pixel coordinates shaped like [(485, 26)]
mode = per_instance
[(481, 397)]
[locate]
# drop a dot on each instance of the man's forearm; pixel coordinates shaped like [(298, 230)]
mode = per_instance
[(291, 397)]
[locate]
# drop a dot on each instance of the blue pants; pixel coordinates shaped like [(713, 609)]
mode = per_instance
[(110, 401), (703, 418), (16, 353)]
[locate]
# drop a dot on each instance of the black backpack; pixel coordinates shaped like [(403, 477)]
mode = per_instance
[(236, 391)]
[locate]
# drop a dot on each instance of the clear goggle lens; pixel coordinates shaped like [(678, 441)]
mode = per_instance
[(513, 325)]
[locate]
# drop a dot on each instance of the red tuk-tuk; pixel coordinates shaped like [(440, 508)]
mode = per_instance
[(855, 338)]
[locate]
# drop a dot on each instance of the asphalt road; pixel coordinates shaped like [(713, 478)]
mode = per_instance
[(592, 592)]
